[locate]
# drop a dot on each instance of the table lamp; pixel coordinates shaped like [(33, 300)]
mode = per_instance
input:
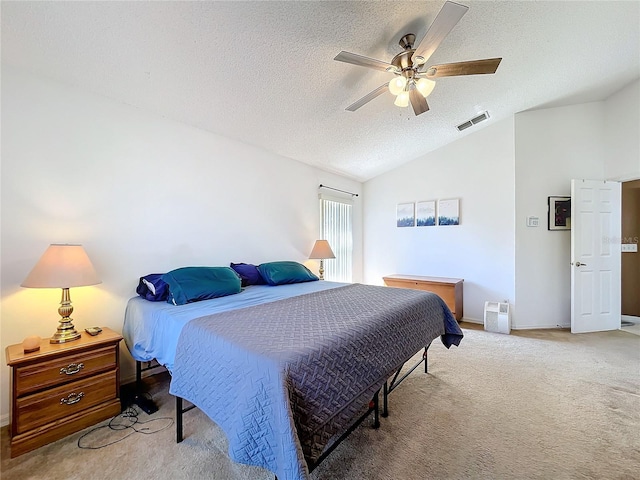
[(321, 250), (63, 266)]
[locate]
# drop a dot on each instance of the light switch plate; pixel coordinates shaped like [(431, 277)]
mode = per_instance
[(629, 247), (533, 221)]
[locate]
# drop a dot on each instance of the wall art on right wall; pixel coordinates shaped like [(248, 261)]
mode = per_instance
[(405, 215), (449, 212), (426, 213), (559, 213)]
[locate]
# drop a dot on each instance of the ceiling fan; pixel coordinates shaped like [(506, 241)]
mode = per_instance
[(413, 81)]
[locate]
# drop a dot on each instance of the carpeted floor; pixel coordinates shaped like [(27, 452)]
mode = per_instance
[(634, 328), (530, 405)]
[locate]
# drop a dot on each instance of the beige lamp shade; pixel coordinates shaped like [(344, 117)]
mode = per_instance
[(62, 266), (321, 250)]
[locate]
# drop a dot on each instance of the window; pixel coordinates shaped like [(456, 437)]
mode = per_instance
[(335, 227)]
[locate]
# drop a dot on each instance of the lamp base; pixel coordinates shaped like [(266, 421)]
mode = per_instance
[(65, 336), (66, 331)]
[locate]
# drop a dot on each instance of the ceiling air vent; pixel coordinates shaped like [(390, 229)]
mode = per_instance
[(480, 118), (475, 120), (465, 125)]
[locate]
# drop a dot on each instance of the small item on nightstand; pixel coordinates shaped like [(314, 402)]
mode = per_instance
[(93, 330), (31, 344)]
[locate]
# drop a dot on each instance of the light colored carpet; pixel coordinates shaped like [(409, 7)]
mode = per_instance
[(530, 405), (635, 328)]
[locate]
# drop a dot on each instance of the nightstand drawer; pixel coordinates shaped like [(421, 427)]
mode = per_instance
[(57, 403), (31, 378)]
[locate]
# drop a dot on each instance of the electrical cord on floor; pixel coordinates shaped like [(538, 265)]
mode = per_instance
[(126, 420)]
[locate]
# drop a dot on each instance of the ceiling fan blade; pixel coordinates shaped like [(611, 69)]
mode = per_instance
[(473, 67), (361, 61), (447, 18), (418, 102), (368, 97)]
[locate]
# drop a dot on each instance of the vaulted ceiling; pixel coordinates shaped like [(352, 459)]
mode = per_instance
[(262, 72)]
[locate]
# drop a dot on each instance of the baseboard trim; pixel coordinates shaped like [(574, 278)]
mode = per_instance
[(518, 327), (472, 320), (630, 318), (4, 420), (539, 327)]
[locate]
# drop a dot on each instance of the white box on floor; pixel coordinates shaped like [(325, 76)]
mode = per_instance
[(497, 317)]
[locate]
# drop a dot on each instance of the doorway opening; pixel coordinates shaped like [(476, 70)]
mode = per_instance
[(630, 272)]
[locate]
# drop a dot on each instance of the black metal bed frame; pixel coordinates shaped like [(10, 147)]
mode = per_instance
[(373, 404)]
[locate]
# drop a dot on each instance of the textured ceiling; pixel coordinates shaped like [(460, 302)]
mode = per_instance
[(263, 72)]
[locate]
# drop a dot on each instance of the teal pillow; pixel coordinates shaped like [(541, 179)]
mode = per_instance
[(193, 284), (280, 273)]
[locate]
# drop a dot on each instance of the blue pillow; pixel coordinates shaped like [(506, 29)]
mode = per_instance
[(280, 273), (192, 284), (151, 287), (249, 274)]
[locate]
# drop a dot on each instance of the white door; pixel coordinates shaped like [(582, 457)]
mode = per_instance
[(595, 255)]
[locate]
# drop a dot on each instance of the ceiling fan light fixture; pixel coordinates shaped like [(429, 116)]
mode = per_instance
[(396, 86), (418, 60), (410, 65), (402, 100), (425, 86)]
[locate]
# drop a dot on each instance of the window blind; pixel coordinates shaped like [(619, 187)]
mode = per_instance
[(335, 227)]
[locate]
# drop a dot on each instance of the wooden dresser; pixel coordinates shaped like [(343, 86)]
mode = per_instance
[(449, 289), (62, 388)]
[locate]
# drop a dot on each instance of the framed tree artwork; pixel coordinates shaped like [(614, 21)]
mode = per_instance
[(449, 212), (426, 213), (405, 215)]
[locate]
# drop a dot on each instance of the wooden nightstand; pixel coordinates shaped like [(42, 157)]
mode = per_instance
[(62, 388)]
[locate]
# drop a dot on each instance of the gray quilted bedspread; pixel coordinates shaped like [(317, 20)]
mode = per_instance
[(283, 378)]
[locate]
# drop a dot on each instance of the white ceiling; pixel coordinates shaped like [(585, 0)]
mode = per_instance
[(263, 72)]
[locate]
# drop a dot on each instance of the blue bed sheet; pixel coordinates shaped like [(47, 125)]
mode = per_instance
[(151, 329)]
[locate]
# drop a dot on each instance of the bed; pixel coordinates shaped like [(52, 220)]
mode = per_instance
[(284, 370)]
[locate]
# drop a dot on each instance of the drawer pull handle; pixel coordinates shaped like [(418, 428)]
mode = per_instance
[(72, 368), (72, 398)]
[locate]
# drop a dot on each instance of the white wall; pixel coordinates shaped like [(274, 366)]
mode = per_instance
[(599, 140), (504, 171), (552, 147), (143, 194), (478, 169), (622, 133)]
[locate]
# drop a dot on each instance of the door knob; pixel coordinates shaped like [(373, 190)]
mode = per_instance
[(578, 264)]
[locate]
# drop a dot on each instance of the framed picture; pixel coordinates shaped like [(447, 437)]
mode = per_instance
[(405, 215), (559, 213), (426, 213), (449, 212)]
